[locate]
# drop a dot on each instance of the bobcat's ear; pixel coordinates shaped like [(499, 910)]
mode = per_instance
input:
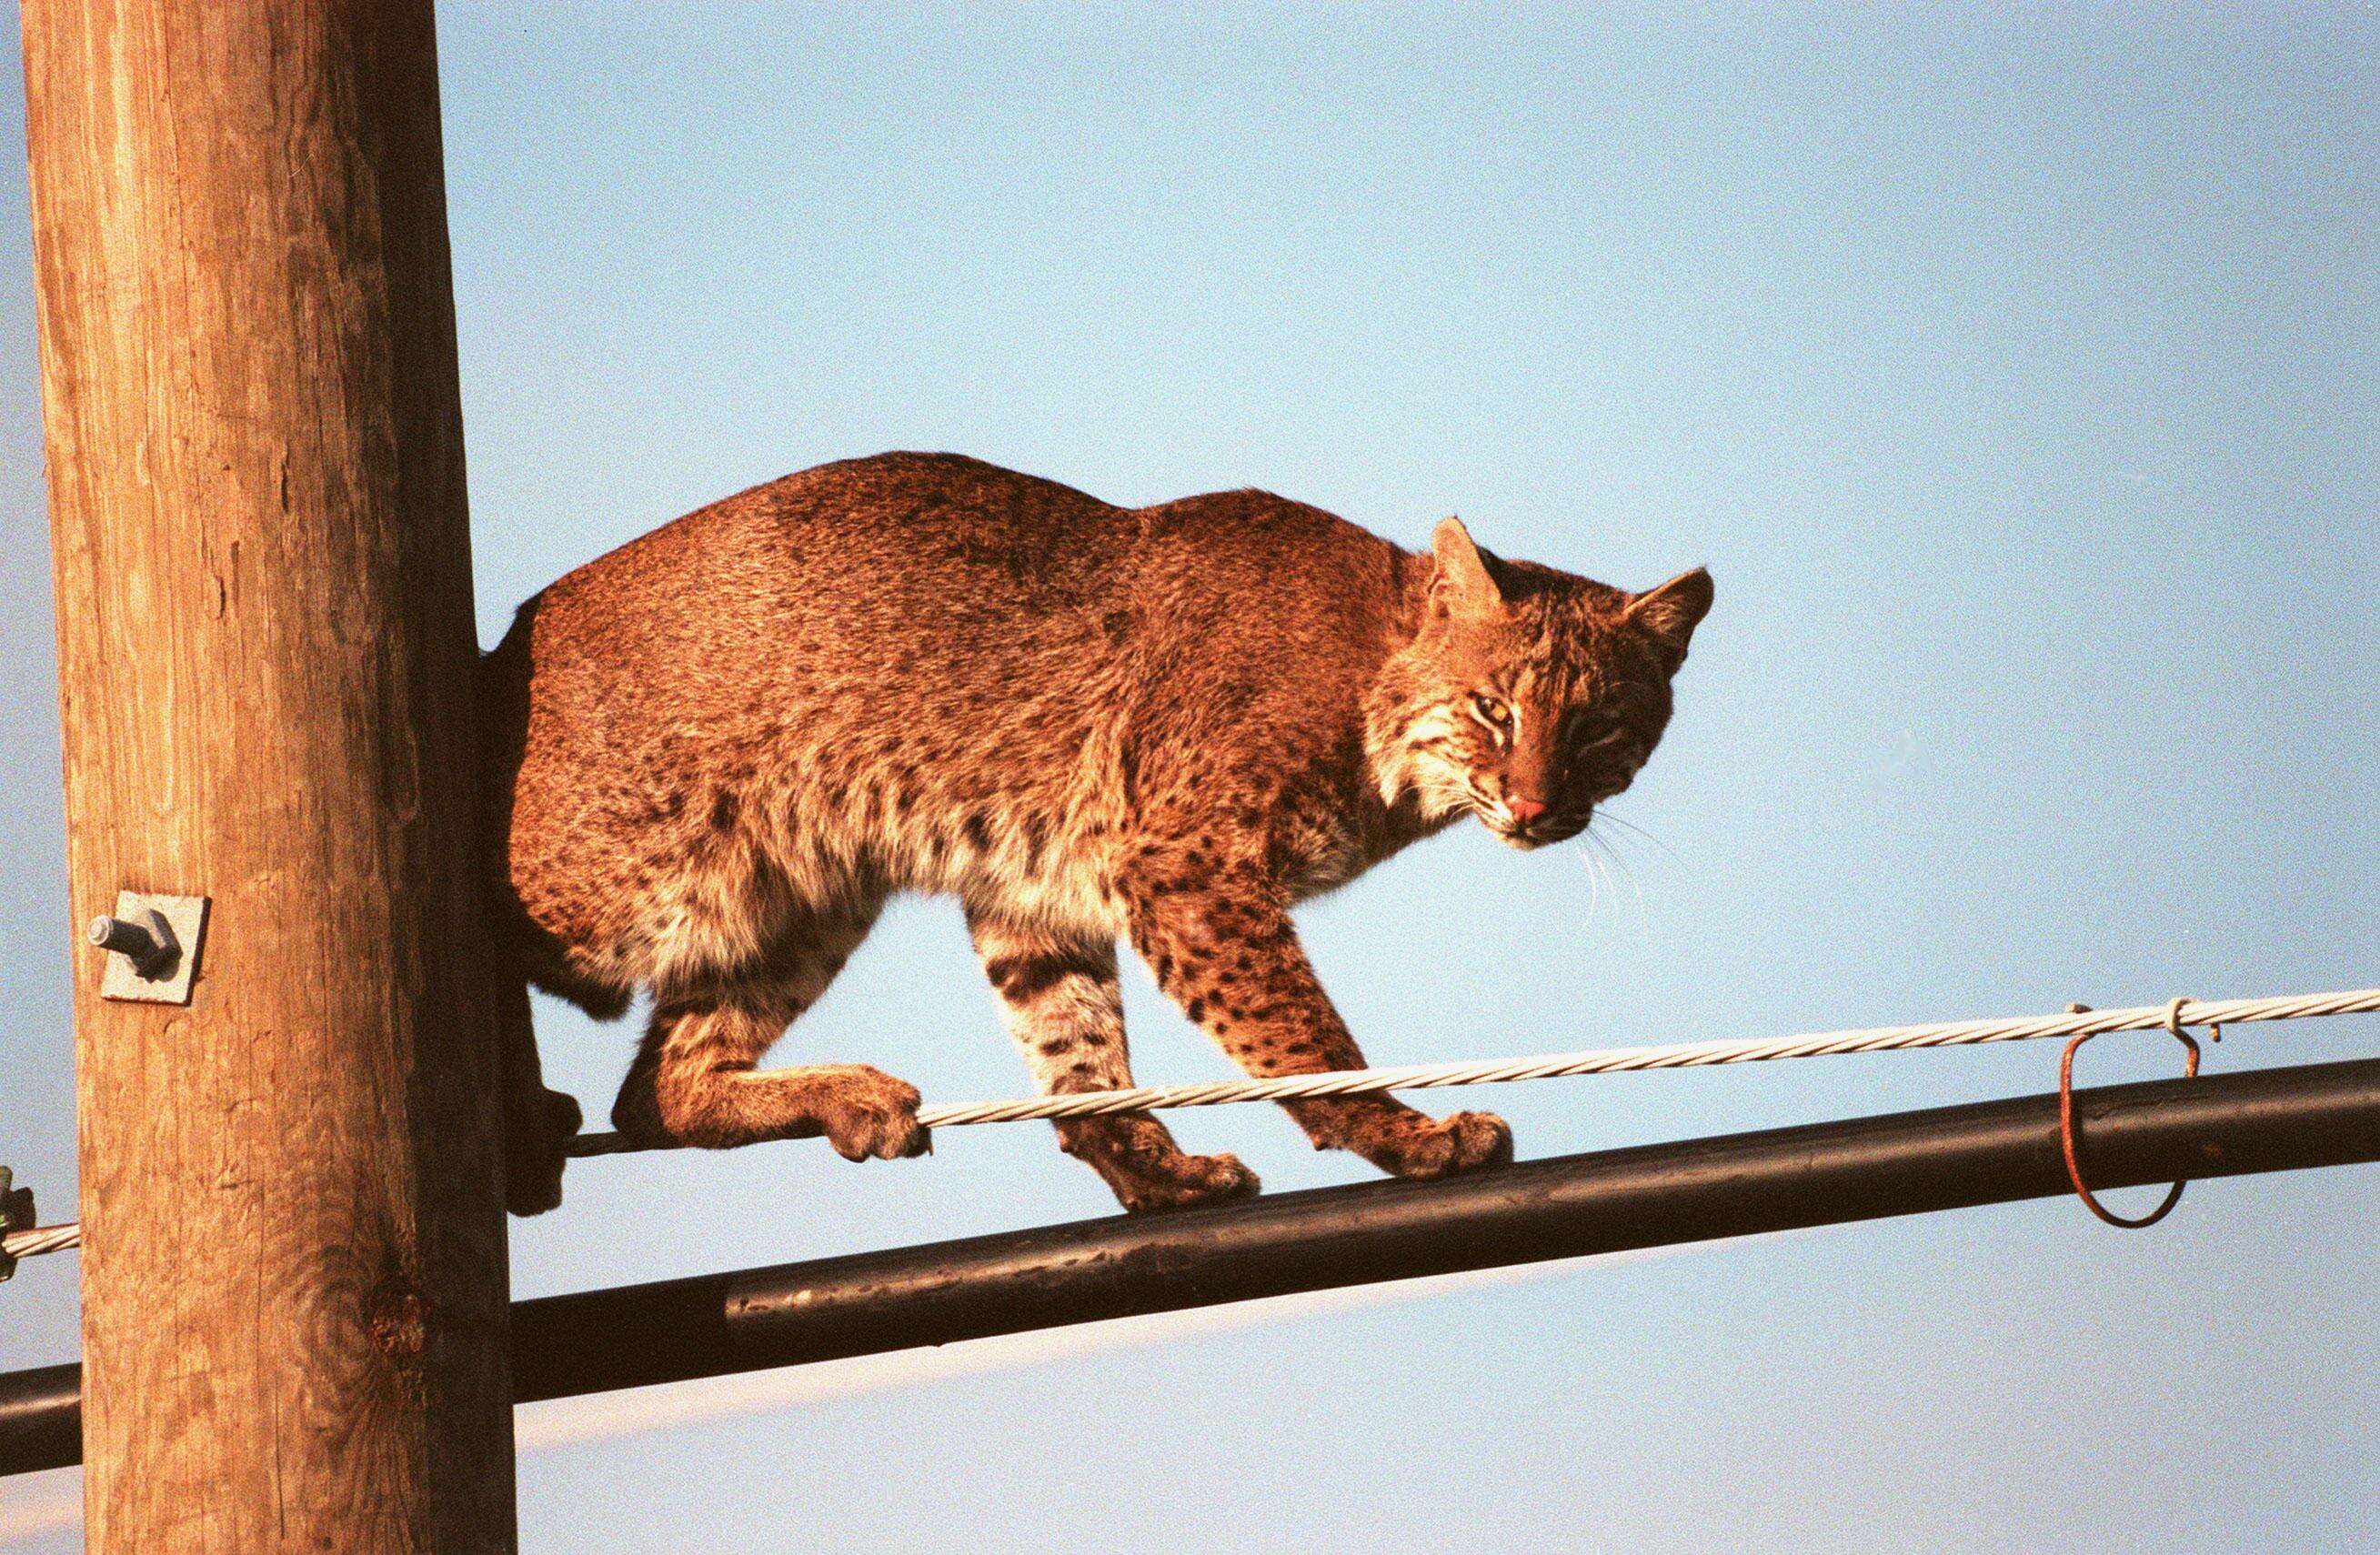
[(1463, 585), (1672, 612)]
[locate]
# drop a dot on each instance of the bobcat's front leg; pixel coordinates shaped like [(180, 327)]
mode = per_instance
[(1063, 1007), (1219, 941)]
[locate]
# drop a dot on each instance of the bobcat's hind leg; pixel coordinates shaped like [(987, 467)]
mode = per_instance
[(1062, 1003), (696, 1079), (539, 1124), (697, 1082)]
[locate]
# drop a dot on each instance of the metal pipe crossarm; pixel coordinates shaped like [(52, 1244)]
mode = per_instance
[(1948, 1158)]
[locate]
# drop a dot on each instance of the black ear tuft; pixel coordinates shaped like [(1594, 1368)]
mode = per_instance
[(1672, 612)]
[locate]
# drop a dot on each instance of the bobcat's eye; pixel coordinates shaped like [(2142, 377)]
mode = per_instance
[(1491, 711)]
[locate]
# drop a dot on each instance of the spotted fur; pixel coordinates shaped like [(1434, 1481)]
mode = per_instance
[(716, 751)]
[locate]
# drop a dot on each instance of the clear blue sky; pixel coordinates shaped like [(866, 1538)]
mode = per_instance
[(2014, 376)]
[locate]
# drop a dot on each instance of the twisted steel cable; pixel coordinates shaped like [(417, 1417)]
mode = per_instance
[(2172, 1014), (1612, 1061), (42, 1239)]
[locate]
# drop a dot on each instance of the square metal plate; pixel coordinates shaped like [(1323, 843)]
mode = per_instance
[(187, 916)]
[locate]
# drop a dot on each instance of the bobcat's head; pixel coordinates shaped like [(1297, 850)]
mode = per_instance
[(1529, 695)]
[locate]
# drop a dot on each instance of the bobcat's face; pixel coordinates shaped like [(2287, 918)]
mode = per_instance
[(1530, 697), (1539, 737)]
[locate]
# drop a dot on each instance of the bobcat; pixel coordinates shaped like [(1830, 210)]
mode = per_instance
[(715, 751)]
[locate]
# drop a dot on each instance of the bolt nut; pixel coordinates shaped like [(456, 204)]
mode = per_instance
[(126, 939), (147, 941)]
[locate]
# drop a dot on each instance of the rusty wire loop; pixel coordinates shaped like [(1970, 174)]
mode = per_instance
[(2065, 1137)]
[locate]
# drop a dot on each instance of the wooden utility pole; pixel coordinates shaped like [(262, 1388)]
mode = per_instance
[(294, 1276)]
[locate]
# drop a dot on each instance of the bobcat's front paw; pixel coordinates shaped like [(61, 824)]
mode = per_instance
[(1455, 1143), (1187, 1180), (863, 1112), (1398, 1139), (1147, 1171)]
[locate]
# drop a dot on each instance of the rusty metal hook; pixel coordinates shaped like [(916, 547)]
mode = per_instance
[(2066, 1139)]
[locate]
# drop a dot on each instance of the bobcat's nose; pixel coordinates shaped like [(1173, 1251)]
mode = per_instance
[(1523, 812)]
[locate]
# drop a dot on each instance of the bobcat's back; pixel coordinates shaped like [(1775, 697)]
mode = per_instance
[(915, 670)]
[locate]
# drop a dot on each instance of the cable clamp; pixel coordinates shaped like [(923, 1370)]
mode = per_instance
[(15, 1214)]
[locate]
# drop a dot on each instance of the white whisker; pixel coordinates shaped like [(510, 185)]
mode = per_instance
[(1613, 861), (1639, 831), (1596, 876)]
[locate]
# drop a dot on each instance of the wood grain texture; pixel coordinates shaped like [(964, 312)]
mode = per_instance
[(293, 1266)]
